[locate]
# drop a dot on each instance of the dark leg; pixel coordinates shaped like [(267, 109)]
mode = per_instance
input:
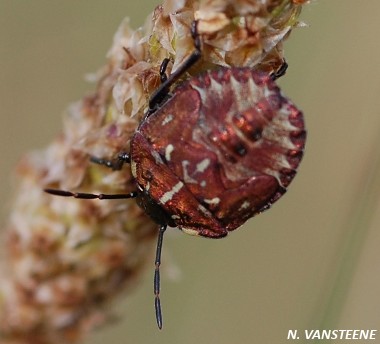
[(157, 303), (280, 72), (115, 164), (163, 77), (164, 65), (160, 94), (89, 195)]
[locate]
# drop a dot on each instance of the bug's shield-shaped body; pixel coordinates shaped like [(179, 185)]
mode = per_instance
[(223, 148)]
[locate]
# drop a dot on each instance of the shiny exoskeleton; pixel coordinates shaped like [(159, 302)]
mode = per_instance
[(220, 149)]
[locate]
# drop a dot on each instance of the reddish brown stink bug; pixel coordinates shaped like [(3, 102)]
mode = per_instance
[(223, 147)]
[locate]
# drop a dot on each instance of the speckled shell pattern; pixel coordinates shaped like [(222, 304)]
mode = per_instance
[(223, 148)]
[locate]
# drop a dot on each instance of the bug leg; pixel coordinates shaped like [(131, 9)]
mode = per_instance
[(159, 95), (164, 65), (280, 72), (164, 91), (115, 164), (82, 195), (157, 302)]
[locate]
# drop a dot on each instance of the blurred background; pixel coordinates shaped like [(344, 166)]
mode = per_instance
[(310, 262)]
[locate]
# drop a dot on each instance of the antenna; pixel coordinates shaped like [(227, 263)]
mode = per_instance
[(157, 302)]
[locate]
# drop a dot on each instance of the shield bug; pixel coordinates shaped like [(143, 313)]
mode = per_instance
[(221, 148)]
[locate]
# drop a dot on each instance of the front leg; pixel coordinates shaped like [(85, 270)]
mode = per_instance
[(166, 82), (114, 164), (280, 72)]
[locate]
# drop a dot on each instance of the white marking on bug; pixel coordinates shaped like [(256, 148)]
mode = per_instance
[(278, 161), (202, 92), (167, 196), (220, 73), (236, 88), (168, 151), (204, 210), (283, 162), (157, 157), (175, 217), (133, 169), (186, 178), (216, 87), (267, 92), (147, 186), (190, 231), (201, 167), (203, 183), (214, 201), (254, 90), (275, 134), (274, 174), (167, 119), (245, 205)]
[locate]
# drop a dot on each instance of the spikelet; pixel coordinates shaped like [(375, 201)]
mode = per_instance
[(67, 258)]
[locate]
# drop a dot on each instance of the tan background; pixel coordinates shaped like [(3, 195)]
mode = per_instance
[(313, 260)]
